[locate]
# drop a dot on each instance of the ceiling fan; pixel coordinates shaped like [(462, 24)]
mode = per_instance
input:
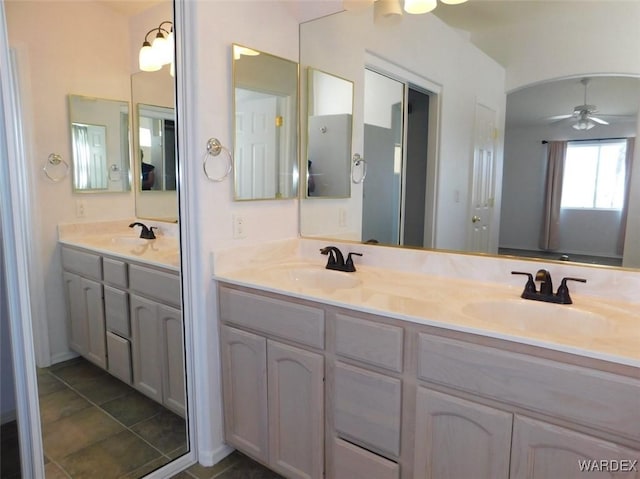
[(582, 113)]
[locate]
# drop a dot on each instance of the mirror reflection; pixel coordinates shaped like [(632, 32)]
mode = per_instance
[(266, 125), (329, 119), (154, 143), (99, 144), (483, 186)]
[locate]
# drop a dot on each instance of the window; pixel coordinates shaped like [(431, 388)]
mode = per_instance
[(594, 174)]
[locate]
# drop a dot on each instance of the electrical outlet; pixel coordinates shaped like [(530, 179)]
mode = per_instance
[(239, 230), (81, 208)]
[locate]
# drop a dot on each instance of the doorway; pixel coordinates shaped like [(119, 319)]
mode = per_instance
[(399, 192)]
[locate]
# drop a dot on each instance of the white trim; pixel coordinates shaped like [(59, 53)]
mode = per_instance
[(14, 193)]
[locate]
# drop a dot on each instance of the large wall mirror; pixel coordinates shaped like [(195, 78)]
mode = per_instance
[(266, 125), (154, 145), (329, 120), (99, 144), (489, 119), (120, 417)]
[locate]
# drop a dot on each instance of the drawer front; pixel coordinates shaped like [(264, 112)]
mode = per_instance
[(373, 343), (116, 311), (119, 351), (367, 408), (297, 322), (594, 398), (83, 263), (353, 462), (159, 285), (115, 272)]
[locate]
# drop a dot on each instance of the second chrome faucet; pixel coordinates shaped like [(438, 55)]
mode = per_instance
[(546, 288), (336, 260)]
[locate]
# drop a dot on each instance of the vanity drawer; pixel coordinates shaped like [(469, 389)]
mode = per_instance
[(119, 352), (367, 408), (372, 343), (115, 272), (353, 462), (593, 398), (83, 263), (159, 285), (296, 322), (116, 311)]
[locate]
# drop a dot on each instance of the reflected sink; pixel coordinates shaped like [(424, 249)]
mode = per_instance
[(526, 315), (323, 278), (129, 241)]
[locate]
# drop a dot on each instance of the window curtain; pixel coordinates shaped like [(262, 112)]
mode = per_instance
[(550, 233), (81, 156), (628, 162)]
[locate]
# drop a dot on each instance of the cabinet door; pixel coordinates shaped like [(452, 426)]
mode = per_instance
[(456, 438), (296, 412), (173, 390), (244, 386), (86, 314), (116, 310), (146, 347), (541, 451)]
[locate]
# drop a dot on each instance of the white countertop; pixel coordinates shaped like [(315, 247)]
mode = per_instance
[(164, 251), (590, 327)]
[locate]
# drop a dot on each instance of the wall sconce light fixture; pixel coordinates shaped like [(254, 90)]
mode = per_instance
[(153, 56)]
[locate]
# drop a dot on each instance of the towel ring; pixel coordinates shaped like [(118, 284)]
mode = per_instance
[(357, 161), (214, 148), (55, 160)]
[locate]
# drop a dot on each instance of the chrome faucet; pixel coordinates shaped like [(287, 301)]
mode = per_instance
[(546, 288), (146, 232), (336, 259)]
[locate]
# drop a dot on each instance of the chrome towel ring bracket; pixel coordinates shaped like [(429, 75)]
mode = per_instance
[(358, 161), (55, 168), (214, 148)]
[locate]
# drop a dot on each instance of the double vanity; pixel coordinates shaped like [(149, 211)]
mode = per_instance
[(124, 304), (386, 373)]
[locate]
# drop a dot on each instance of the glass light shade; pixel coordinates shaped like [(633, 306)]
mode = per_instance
[(387, 9), (584, 125), (419, 6), (453, 2), (162, 49), (147, 60)]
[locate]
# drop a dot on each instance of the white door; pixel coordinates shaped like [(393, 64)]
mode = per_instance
[(483, 184), (256, 145)]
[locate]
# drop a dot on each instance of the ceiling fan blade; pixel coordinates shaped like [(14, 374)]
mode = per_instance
[(559, 117), (598, 120)]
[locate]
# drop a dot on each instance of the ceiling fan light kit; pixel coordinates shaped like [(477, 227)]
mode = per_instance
[(583, 114)]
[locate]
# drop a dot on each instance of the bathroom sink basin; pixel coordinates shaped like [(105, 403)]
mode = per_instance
[(322, 278), (129, 241), (526, 315)]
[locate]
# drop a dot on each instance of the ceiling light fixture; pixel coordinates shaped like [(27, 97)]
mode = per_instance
[(153, 56), (425, 6)]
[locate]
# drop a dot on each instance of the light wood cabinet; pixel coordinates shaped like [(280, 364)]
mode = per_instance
[(86, 318), (274, 402), (296, 410), (542, 451), (157, 352), (456, 438), (406, 401)]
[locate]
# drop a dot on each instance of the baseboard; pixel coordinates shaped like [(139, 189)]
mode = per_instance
[(61, 357), (8, 416), (210, 458)]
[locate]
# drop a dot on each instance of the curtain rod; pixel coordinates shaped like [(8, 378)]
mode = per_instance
[(544, 142)]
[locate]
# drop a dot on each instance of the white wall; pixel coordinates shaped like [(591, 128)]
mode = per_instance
[(339, 44)]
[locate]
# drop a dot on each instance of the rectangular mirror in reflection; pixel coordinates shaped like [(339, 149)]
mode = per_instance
[(266, 125), (99, 144), (329, 125)]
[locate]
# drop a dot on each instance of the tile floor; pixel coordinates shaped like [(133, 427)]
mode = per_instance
[(94, 426)]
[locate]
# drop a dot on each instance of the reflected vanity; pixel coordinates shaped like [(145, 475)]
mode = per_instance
[(266, 125), (100, 144)]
